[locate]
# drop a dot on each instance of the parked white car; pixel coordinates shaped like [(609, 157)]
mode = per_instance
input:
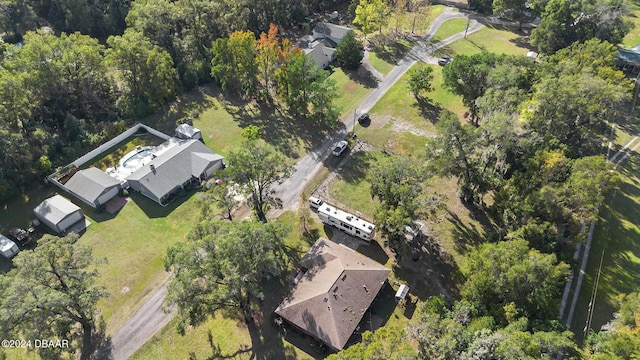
[(314, 202), (340, 148), (8, 248)]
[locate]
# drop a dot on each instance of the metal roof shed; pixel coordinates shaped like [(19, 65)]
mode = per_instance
[(58, 213), (187, 132)]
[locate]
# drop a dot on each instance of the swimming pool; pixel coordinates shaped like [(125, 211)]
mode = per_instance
[(136, 158)]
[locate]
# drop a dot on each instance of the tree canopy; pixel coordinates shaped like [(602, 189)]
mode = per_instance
[(52, 294), (510, 272), (222, 266), (258, 167), (565, 22), (348, 53)]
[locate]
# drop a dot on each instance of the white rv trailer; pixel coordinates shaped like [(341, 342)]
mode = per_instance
[(346, 222)]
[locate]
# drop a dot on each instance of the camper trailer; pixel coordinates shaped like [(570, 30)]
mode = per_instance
[(346, 222), (8, 248)]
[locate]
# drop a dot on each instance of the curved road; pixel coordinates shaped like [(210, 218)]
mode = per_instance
[(150, 317)]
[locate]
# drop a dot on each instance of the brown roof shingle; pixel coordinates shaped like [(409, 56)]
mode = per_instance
[(331, 298)]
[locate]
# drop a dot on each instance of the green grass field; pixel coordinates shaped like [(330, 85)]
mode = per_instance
[(379, 64), (487, 39), (134, 242), (351, 188), (450, 28), (618, 234), (353, 89)]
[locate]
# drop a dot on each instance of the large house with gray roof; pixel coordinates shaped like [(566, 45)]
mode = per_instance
[(183, 162), (334, 289)]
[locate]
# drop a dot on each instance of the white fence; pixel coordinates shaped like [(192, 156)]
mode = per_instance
[(115, 141)]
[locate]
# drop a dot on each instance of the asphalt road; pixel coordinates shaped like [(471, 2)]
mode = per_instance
[(150, 317)]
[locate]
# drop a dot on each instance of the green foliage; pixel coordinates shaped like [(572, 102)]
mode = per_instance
[(147, 70), (51, 294), (294, 76), (257, 167), (348, 53), (398, 182), (467, 76), (222, 266), (420, 80), (95, 18), (371, 15), (460, 334), (512, 9), (234, 64), (322, 93), (510, 272), (565, 22), (385, 343), (620, 339), (251, 133)]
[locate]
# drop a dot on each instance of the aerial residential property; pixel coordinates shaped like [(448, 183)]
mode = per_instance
[(332, 293), (212, 179)]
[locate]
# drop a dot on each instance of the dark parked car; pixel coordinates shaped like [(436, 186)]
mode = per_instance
[(364, 118)]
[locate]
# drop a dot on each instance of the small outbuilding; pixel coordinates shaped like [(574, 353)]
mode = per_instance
[(58, 213), (93, 186), (188, 132)]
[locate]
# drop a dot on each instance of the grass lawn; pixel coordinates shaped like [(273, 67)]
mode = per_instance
[(350, 186), (487, 39), (633, 37), (379, 64), (355, 87), (134, 242), (450, 28), (618, 234), (400, 102)]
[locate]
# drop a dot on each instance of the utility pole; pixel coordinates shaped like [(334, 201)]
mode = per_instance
[(467, 28)]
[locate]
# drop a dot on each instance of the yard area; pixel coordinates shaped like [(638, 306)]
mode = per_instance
[(450, 28), (492, 39), (616, 240)]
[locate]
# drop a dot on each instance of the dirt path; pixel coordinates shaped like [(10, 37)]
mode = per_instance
[(150, 318), (142, 325)]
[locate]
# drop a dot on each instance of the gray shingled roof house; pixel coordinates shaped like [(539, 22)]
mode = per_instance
[(337, 288), (321, 45), (93, 186), (58, 213), (185, 162), (330, 31)]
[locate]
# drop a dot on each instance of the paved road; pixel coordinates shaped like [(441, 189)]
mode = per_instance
[(150, 318)]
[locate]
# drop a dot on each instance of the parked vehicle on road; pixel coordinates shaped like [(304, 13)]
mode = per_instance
[(444, 60), (340, 148)]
